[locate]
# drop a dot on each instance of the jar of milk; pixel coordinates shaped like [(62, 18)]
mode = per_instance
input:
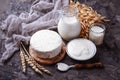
[(68, 25), (96, 33)]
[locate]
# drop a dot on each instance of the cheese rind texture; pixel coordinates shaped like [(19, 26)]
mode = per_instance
[(47, 42)]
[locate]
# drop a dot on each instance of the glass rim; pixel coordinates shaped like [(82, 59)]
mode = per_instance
[(75, 10), (99, 25)]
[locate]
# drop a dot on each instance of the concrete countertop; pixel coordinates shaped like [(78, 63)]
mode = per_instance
[(108, 53)]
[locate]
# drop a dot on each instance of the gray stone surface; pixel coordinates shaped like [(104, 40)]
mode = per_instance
[(108, 53)]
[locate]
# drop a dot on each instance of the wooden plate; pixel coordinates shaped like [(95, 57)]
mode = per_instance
[(53, 60)]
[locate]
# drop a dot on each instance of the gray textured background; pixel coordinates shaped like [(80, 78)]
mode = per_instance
[(108, 53)]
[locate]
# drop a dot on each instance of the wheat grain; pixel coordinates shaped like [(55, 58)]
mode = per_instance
[(23, 61), (32, 65)]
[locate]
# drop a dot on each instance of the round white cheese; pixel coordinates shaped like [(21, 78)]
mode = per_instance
[(47, 42)]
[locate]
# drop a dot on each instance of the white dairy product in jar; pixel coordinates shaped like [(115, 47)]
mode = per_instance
[(69, 28), (96, 35)]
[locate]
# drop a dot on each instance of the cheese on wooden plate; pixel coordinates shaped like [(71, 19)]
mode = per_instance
[(47, 42)]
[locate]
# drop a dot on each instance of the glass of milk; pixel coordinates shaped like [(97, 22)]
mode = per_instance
[(68, 25), (96, 33)]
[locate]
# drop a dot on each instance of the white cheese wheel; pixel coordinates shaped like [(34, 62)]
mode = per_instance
[(47, 42)]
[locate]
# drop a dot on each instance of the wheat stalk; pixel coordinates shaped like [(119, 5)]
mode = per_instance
[(34, 62), (32, 65), (23, 60), (40, 67)]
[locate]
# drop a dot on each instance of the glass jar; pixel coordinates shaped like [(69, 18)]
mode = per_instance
[(68, 25), (96, 33)]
